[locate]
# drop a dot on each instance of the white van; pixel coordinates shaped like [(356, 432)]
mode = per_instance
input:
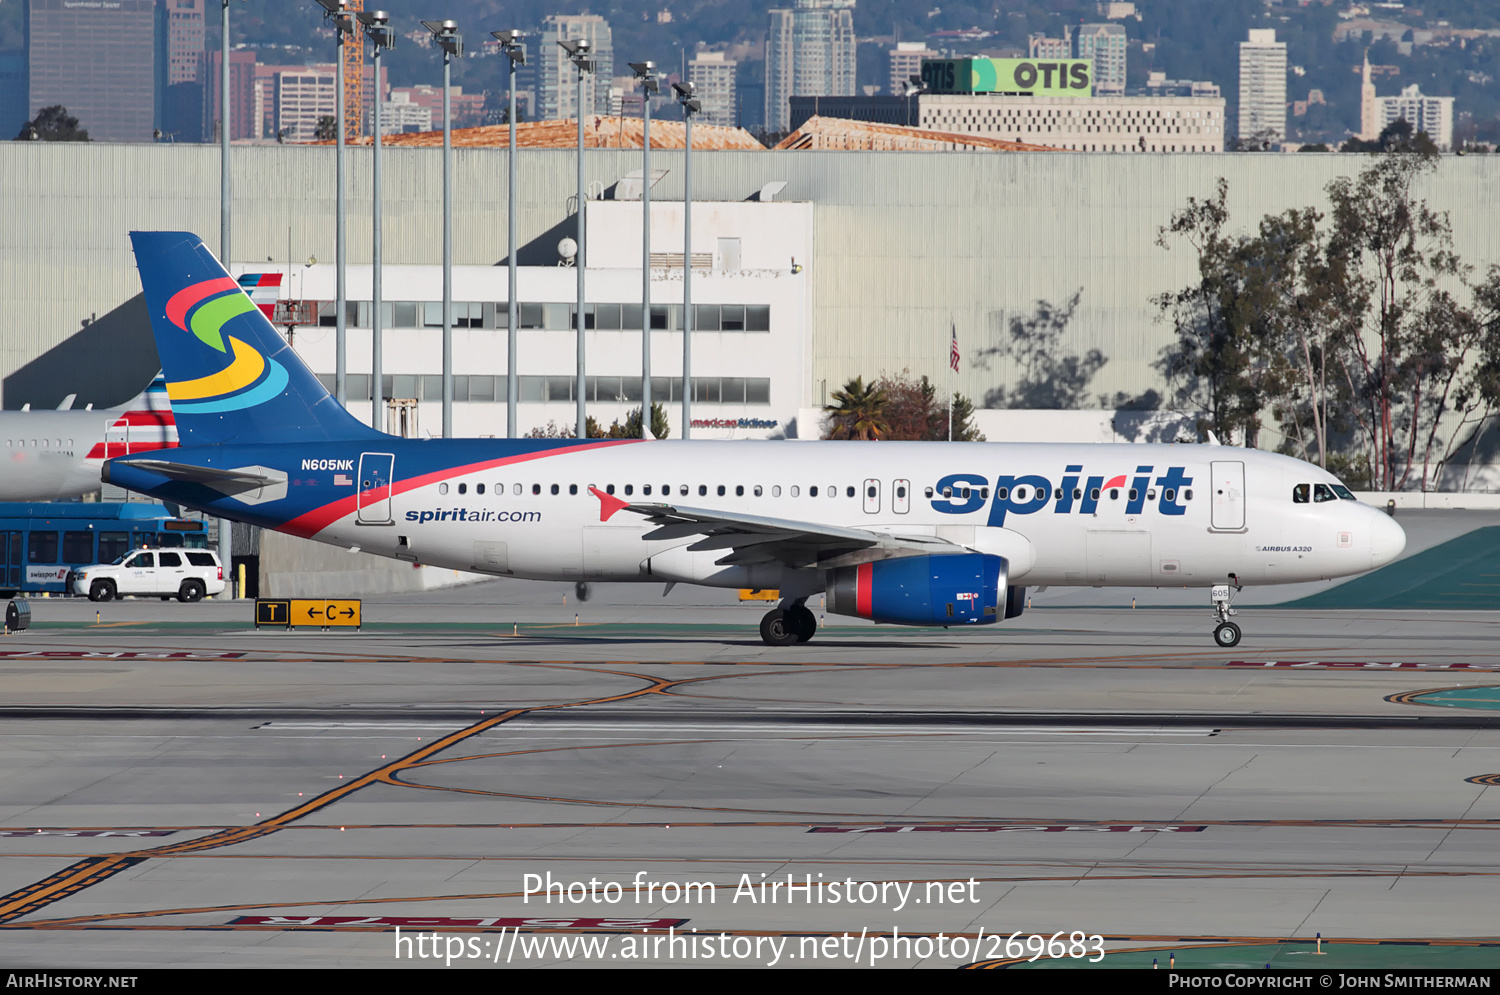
[(188, 573)]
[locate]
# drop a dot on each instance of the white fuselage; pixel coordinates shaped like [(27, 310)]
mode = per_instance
[(53, 455), (1184, 515)]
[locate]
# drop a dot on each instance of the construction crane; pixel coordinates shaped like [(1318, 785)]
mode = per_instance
[(354, 79)]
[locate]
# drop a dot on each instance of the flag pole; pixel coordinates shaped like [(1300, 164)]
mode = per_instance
[(953, 365)]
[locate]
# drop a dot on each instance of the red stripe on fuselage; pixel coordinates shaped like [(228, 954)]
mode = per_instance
[(141, 416), (113, 448), (311, 523), (863, 594)]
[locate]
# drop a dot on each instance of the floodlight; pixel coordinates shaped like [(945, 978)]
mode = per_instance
[(445, 33), (646, 73), (510, 44)]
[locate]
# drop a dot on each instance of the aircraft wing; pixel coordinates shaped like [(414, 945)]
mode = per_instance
[(754, 539)]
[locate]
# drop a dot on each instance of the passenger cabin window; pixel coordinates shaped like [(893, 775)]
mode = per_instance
[(171, 560), (1301, 493)]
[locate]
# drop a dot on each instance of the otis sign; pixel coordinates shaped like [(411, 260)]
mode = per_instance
[(1038, 77)]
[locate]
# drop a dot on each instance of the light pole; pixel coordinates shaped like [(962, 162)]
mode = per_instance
[(225, 540), (377, 26), (646, 73), (690, 106), (510, 43), (445, 33), (343, 27), (914, 86), (578, 53)]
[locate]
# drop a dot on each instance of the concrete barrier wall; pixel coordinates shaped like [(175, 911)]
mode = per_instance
[(300, 568), (1432, 500)]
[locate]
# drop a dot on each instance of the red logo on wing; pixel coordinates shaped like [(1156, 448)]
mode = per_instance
[(608, 504)]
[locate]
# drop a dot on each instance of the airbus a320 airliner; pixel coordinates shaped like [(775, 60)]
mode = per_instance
[(931, 534)]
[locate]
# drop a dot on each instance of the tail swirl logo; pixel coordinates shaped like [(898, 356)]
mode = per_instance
[(249, 378)]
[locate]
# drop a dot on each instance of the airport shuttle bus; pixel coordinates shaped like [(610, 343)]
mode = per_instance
[(40, 544), (933, 534)]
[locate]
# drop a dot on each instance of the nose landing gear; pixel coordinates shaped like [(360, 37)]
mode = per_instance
[(791, 622), (1226, 633)]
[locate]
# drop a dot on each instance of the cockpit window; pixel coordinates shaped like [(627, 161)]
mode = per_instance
[(1344, 492), (1301, 493), (1322, 492)]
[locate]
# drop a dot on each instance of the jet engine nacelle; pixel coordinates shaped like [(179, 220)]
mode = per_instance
[(949, 589)]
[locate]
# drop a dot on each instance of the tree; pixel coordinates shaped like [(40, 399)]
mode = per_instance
[(1218, 362), (859, 413), (53, 124), (553, 430), (913, 413), (1359, 330), (632, 427), (327, 129), (1047, 378), (1401, 360), (1394, 137)]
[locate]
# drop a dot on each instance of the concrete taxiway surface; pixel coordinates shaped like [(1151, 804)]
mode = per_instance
[(292, 798)]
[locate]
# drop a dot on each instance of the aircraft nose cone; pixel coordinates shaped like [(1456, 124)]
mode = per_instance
[(1387, 540)]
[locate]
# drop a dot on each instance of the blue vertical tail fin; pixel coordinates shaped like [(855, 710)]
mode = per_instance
[(230, 375)]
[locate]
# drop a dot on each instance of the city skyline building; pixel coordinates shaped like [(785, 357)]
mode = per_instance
[(558, 98), (713, 75), (1262, 115), (1434, 115), (1039, 46), (186, 34), (1369, 110), (104, 62), (906, 62), (1105, 44), (810, 51)]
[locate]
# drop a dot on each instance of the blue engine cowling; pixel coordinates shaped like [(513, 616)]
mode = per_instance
[(950, 589)]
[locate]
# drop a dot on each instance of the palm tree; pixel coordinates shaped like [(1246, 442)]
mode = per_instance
[(859, 412)]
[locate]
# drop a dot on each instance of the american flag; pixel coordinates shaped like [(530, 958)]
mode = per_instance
[(953, 350)]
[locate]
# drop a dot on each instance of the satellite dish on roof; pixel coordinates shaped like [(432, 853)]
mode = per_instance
[(567, 251)]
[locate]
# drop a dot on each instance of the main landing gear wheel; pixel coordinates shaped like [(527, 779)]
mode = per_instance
[(802, 621), (775, 629), (1227, 635)]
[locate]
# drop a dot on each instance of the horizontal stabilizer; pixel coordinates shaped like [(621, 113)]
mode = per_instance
[(202, 474)]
